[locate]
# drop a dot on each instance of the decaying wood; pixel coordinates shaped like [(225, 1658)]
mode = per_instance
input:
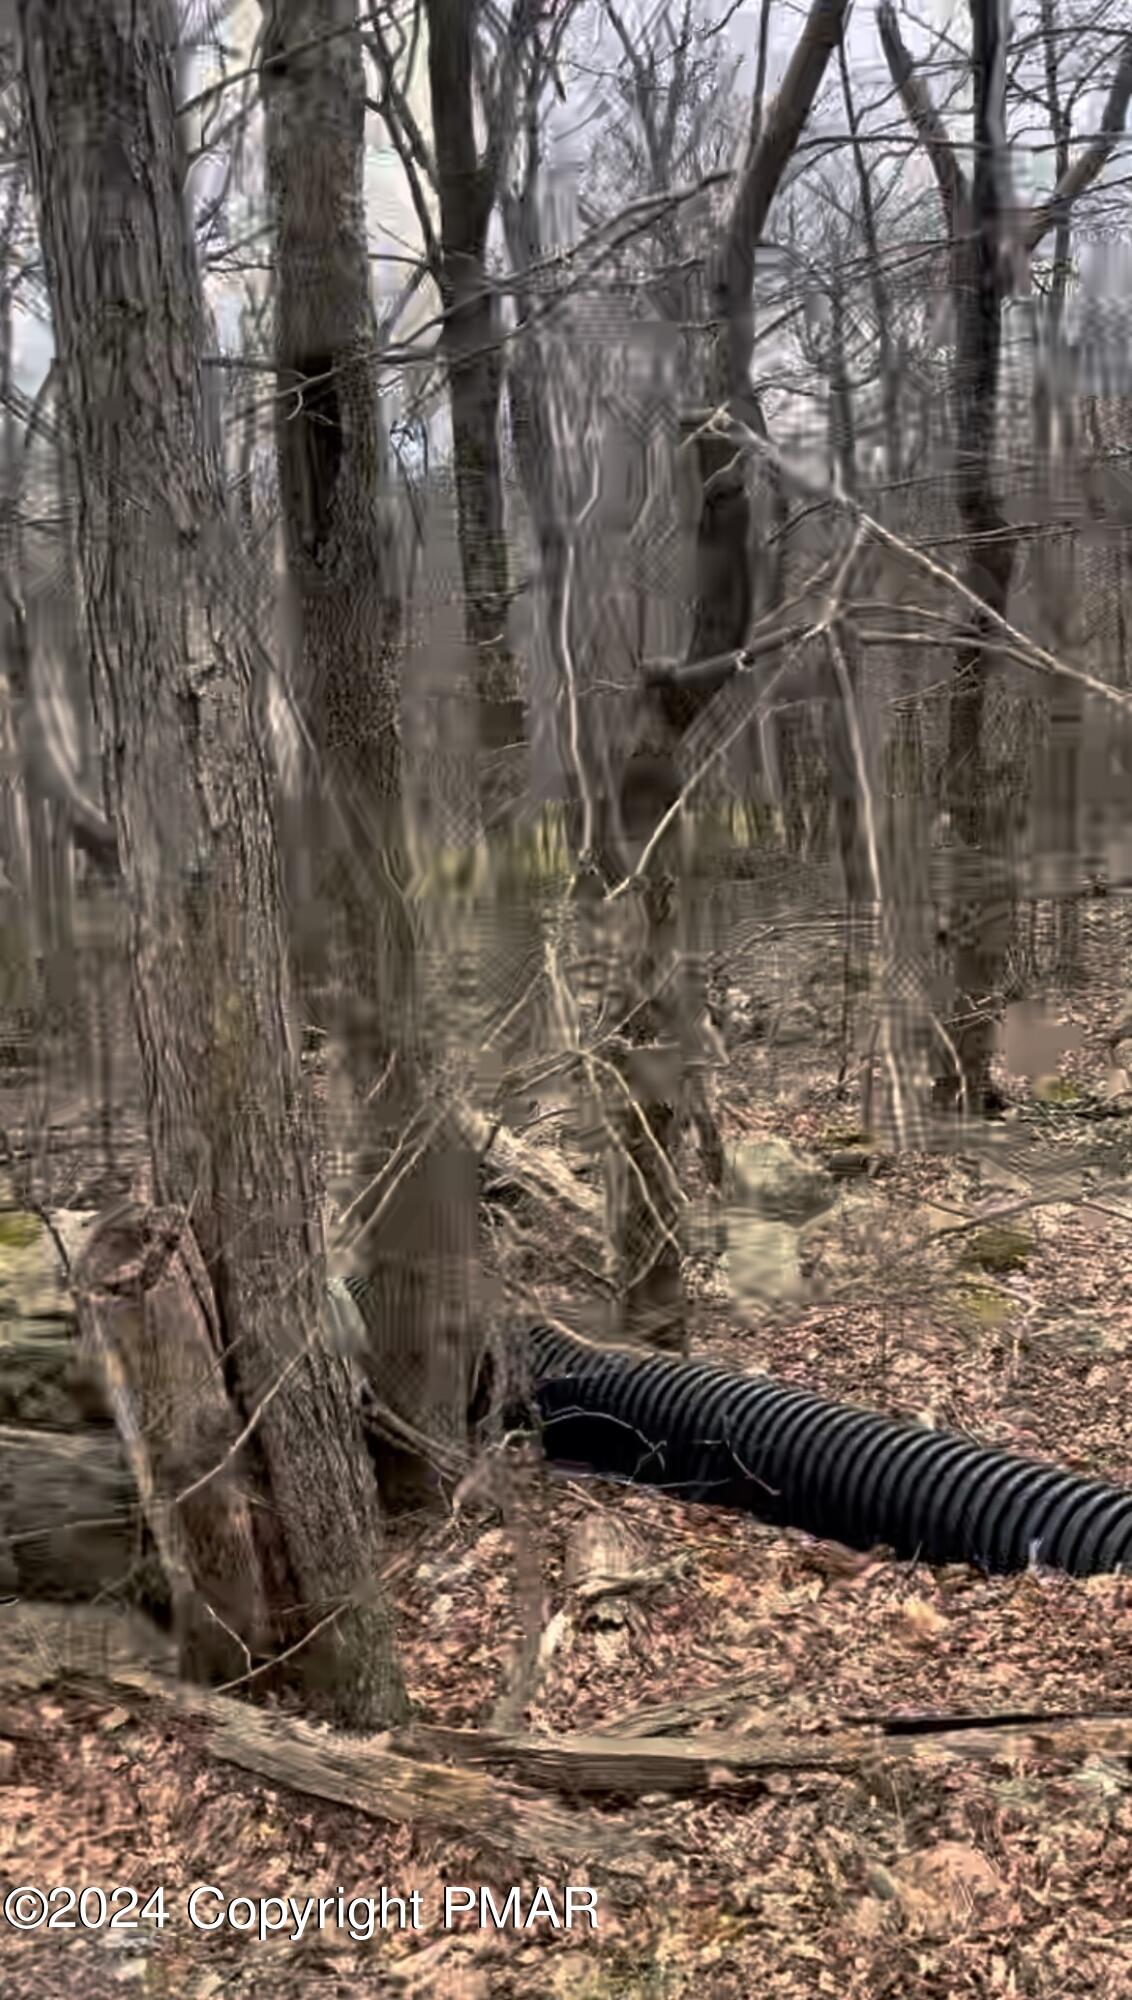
[(114, 1655), (540, 1173), (395, 1777), (605, 1571), (632, 1766), (391, 1786), (522, 1494), (146, 1308), (668, 1718)]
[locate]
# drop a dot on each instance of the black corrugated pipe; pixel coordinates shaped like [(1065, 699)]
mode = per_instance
[(708, 1433)]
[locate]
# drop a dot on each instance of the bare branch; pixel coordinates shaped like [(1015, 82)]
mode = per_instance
[(924, 119), (1090, 163), (768, 154)]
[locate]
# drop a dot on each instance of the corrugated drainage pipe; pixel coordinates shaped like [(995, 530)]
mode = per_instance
[(707, 1433)]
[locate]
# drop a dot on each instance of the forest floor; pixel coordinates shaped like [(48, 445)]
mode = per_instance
[(928, 1872)]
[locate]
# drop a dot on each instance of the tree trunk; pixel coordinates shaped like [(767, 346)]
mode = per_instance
[(983, 891), (987, 237), (346, 624), (472, 346), (191, 798), (332, 462), (724, 583), (1057, 573), (645, 1182)]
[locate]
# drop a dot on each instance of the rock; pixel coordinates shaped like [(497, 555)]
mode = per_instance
[(767, 1177), (797, 1026), (849, 1226), (999, 1249), (113, 1720), (46, 1379), (31, 1279), (931, 1220), (68, 1512), (1058, 1090), (762, 1261)]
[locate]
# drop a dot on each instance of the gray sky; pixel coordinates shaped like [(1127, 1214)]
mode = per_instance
[(1106, 269)]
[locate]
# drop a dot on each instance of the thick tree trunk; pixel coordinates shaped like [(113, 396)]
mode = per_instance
[(191, 798), (345, 628), (333, 474)]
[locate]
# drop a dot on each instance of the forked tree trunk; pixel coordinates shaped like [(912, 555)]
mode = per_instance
[(191, 796), (646, 1178)]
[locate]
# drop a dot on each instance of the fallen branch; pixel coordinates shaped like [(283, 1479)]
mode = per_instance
[(669, 1718), (107, 1655), (388, 1785), (536, 1170), (627, 1766), (393, 1777)]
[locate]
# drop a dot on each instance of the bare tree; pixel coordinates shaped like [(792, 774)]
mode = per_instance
[(191, 797), (345, 611), (469, 70), (988, 244), (345, 618), (723, 595)]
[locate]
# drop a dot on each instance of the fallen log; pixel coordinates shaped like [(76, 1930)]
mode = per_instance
[(43, 1644), (388, 1785), (396, 1777), (112, 1657), (537, 1172), (670, 1718), (633, 1766)]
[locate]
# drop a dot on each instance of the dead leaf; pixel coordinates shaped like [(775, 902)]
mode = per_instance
[(867, 1917), (925, 1622), (938, 1887)]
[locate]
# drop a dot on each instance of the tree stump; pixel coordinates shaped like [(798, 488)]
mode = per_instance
[(147, 1311)]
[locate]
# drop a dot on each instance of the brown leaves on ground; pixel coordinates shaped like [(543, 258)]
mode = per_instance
[(896, 1878), (940, 1878)]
